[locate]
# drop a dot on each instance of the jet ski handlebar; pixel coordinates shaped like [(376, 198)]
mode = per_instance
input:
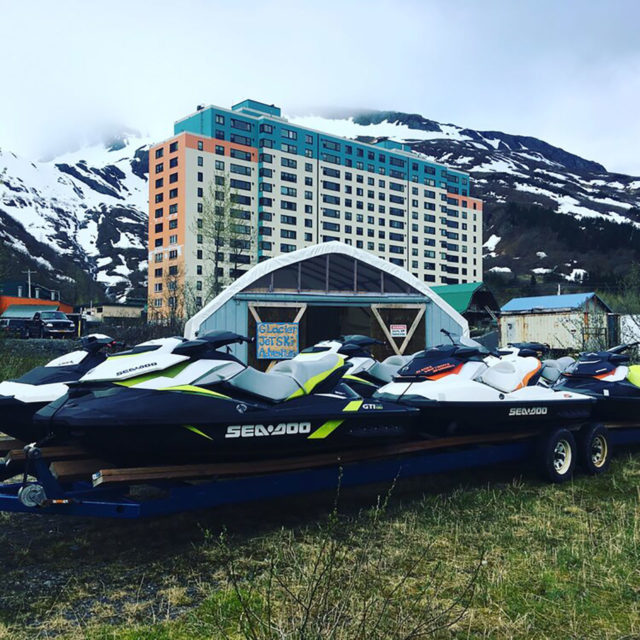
[(96, 342)]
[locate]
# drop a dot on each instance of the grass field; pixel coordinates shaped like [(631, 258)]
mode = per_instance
[(489, 554)]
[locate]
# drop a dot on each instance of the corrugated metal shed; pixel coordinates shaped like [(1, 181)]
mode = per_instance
[(548, 303), (575, 321)]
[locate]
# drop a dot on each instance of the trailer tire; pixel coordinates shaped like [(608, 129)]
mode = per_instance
[(557, 455), (594, 448)]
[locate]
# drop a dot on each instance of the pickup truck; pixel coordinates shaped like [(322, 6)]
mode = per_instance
[(51, 324)]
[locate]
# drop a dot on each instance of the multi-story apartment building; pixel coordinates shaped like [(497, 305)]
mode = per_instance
[(292, 187)]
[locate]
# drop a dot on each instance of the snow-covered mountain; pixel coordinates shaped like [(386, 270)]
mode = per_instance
[(82, 217), (81, 213), (548, 212)]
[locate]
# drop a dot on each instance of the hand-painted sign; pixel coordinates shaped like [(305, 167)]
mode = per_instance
[(276, 340), (398, 330)]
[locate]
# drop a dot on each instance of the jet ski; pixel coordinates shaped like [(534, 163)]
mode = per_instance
[(365, 374), (22, 397), (464, 388), (200, 402), (608, 377)]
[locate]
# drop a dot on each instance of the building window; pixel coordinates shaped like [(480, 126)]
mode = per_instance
[(173, 239), (159, 152), (159, 167), (173, 193), (200, 176), (173, 162), (200, 161), (159, 183), (173, 147), (241, 125)]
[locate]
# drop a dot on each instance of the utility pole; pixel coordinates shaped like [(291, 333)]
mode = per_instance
[(29, 272)]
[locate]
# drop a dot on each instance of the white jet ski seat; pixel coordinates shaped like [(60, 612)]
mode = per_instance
[(564, 362), (272, 386), (509, 375), (305, 371), (285, 378), (550, 370), (388, 368)]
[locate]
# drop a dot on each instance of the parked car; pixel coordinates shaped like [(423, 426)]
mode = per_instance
[(51, 324), (14, 328)]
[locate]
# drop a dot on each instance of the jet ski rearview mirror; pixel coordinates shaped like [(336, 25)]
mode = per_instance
[(448, 334)]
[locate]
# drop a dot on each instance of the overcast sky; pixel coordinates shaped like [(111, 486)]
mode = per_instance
[(564, 71)]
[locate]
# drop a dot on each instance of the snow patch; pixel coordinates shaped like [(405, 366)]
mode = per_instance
[(347, 128), (577, 275)]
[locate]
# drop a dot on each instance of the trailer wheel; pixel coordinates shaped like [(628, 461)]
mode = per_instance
[(594, 448), (557, 455)]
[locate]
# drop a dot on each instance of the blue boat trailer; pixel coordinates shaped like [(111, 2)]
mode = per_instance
[(47, 495)]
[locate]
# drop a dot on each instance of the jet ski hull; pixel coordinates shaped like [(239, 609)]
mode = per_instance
[(439, 418), (615, 401), (17, 419), (145, 426)]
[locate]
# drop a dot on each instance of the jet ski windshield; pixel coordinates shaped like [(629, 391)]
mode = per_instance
[(434, 363)]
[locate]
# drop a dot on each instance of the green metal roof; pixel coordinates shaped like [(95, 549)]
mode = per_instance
[(27, 310), (458, 295)]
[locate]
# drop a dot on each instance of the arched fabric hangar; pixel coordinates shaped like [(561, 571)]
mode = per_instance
[(332, 289)]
